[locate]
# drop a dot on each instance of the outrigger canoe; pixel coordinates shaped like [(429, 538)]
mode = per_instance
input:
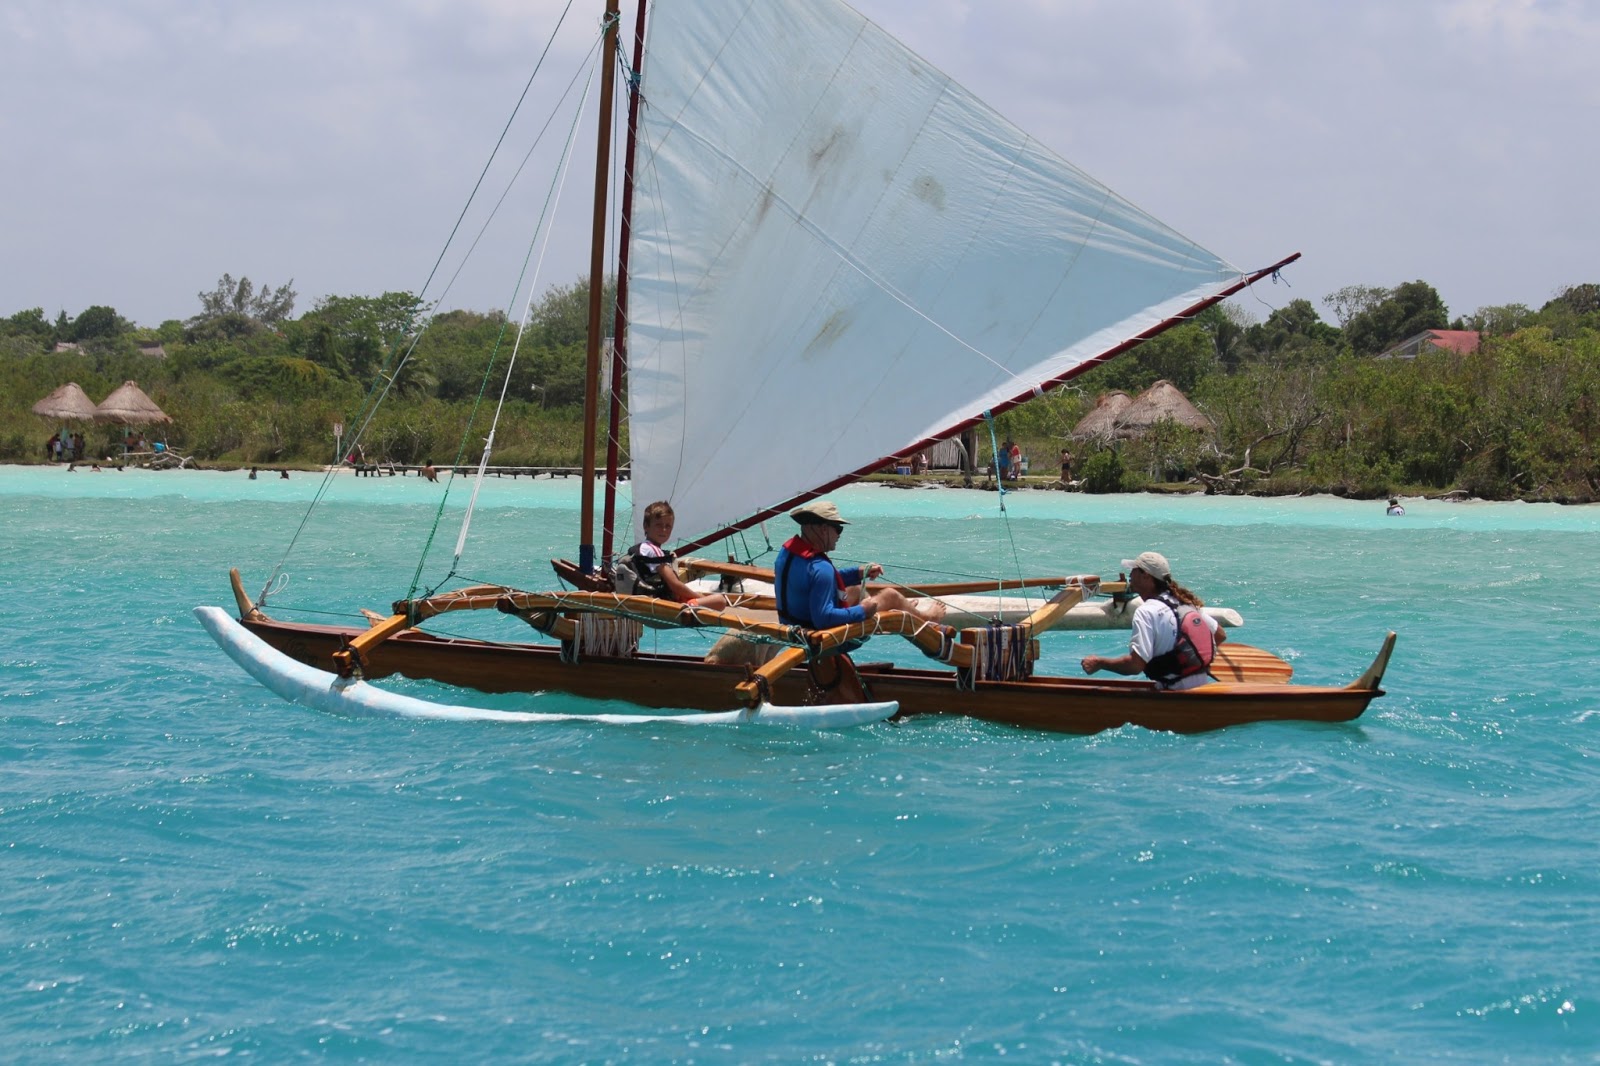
[(1252, 685), (828, 255)]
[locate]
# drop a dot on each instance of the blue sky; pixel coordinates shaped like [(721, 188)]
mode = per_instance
[(152, 145)]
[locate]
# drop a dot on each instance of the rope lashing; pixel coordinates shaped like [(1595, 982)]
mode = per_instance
[(604, 635), (1000, 653)]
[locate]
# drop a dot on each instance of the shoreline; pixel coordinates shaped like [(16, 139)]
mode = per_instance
[(1046, 484), (944, 479)]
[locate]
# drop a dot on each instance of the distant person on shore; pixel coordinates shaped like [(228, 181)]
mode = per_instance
[(1394, 506), (1066, 467), (646, 568), (1173, 640), (428, 471), (1002, 461), (52, 448), (1016, 462)]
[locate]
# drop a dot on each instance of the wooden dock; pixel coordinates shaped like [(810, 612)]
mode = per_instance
[(408, 469)]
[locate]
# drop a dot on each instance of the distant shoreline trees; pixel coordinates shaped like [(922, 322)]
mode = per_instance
[(1299, 403)]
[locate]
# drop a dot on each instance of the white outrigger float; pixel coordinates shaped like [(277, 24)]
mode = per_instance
[(323, 691)]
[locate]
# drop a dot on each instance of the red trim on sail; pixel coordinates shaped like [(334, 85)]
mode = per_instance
[(999, 408)]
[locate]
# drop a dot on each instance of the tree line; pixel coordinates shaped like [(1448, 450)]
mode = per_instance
[(1298, 401), (1301, 404), (246, 382)]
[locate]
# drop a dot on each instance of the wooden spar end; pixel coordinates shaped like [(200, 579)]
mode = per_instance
[(572, 575), (470, 598), (248, 612), (353, 655), (758, 686), (1369, 681), (1053, 612)]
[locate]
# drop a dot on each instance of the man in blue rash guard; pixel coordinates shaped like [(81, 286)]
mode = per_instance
[(813, 593)]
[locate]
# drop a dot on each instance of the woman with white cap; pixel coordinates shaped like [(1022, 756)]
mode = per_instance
[(1173, 640)]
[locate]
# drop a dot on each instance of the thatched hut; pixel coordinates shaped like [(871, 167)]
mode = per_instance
[(948, 454), (1161, 402), (1102, 421), (69, 403), (129, 406)]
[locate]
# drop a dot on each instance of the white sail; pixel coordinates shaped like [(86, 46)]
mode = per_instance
[(838, 251)]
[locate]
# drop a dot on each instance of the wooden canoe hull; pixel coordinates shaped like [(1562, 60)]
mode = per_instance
[(1058, 704)]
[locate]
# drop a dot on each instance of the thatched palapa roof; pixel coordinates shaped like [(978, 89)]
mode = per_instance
[(1102, 421), (1161, 402), (69, 403), (129, 405)]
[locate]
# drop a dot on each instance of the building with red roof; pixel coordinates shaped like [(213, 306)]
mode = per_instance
[(1460, 341)]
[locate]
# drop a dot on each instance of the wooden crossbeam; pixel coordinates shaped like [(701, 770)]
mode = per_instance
[(693, 568)]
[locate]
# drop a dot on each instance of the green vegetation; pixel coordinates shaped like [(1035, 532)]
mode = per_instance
[(245, 383), (1299, 404)]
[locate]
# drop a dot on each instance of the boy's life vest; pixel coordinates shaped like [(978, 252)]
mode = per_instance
[(636, 573), (1191, 653)]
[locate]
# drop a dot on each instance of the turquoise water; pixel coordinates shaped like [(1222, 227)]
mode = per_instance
[(194, 868)]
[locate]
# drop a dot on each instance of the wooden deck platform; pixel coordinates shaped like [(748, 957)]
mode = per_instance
[(408, 469)]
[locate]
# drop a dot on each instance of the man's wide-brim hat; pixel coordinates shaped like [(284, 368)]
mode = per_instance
[(818, 511)]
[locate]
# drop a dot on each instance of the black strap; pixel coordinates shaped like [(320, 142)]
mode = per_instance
[(780, 590)]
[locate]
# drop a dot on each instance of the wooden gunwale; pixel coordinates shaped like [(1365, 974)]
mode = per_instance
[(1057, 704)]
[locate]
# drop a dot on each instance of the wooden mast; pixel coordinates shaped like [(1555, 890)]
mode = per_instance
[(597, 260), (619, 327)]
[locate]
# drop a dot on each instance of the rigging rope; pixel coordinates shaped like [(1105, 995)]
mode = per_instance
[(376, 394), (522, 328), (552, 198), (1000, 485)]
